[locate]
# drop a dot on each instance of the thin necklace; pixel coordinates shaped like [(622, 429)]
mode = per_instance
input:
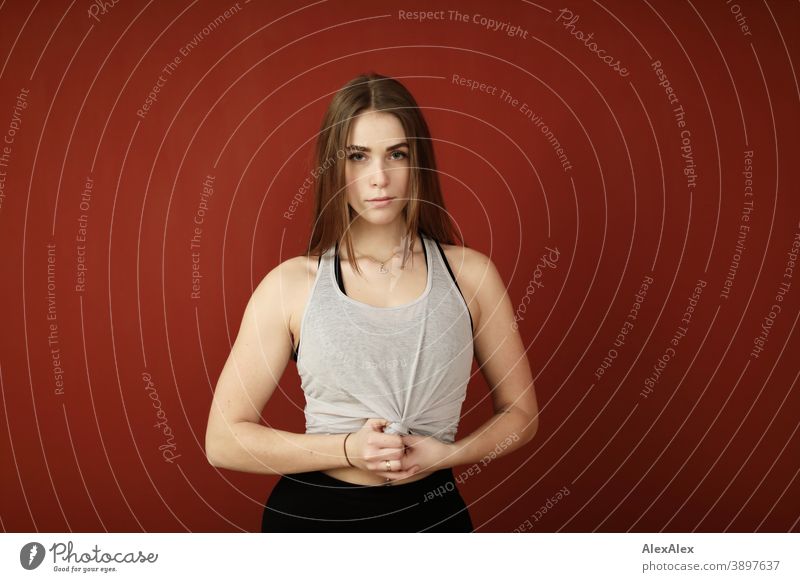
[(382, 264), (382, 268)]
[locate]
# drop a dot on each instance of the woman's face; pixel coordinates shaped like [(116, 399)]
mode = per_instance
[(377, 167)]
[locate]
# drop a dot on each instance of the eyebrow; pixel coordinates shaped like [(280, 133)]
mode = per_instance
[(360, 148)]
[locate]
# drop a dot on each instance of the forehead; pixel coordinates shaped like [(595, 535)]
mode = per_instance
[(375, 129)]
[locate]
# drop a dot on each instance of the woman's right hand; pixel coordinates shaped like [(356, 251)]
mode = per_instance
[(370, 448)]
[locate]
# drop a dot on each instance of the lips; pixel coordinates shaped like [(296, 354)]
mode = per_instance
[(382, 199)]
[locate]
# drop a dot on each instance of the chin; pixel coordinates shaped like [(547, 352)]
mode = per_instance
[(374, 217)]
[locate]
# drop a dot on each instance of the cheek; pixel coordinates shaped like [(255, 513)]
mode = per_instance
[(403, 176), (350, 178), (352, 185), (352, 175)]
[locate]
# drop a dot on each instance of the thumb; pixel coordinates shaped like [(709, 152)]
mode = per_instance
[(411, 439)]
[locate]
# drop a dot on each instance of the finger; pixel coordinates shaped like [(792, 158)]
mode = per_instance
[(385, 466), (379, 455), (393, 466), (385, 441)]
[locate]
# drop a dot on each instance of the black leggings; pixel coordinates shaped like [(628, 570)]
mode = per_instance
[(317, 502)]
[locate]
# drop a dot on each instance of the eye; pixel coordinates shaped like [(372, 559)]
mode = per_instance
[(403, 155), (353, 156)]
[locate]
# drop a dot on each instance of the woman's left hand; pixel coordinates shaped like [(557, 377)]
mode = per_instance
[(427, 452)]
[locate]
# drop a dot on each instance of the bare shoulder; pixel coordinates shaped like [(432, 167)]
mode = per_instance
[(477, 277), (474, 268), (287, 279), (287, 285)]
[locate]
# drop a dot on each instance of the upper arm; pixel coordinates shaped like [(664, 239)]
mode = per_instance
[(499, 350), (257, 359)]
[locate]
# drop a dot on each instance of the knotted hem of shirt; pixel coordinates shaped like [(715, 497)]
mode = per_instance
[(397, 427)]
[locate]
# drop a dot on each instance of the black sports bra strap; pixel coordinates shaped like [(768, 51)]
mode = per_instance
[(449, 270)]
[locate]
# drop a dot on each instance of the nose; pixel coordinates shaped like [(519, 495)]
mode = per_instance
[(378, 177)]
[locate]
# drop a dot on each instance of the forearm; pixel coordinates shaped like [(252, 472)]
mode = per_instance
[(507, 430), (254, 448)]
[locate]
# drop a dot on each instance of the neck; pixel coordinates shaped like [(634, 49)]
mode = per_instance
[(376, 240)]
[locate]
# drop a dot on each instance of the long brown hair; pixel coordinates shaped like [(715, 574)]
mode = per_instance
[(424, 211)]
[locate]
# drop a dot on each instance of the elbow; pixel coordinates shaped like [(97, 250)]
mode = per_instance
[(213, 457), (531, 427), (215, 451), (215, 461), (221, 443), (530, 410)]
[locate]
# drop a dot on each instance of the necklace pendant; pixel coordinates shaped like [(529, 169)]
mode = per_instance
[(383, 269)]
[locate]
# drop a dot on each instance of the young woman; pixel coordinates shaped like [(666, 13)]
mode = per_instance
[(383, 316)]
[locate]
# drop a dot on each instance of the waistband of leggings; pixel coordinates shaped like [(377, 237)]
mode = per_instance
[(414, 488)]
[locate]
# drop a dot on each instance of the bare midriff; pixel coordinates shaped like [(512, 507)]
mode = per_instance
[(361, 477)]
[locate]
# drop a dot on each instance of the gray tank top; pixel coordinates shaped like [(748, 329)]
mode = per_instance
[(409, 364)]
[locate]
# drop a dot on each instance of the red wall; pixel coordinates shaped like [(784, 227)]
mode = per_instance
[(712, 446)]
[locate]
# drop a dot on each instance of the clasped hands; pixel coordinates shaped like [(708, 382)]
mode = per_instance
[(370, 448)]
